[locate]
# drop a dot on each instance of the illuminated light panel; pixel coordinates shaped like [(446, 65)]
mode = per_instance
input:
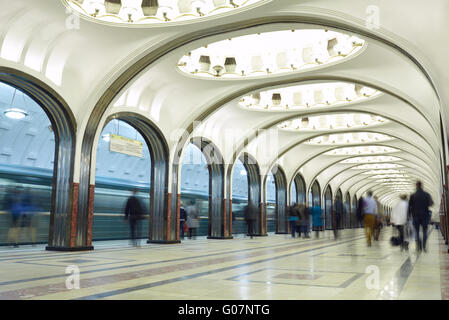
[(349, 138), (15, 113), (371, 159), (381, 171), (394, 180), (398, 183), (308, 96), (386, 176), (360, 150), (157, 12), (377, 166), (332, 122), (270, 53)]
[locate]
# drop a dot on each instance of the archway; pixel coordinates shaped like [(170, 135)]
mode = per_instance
[(123, 164), (216, 215), (293, 193), (271, 202), (239, 197), (254, 190), (280, 182), (300, 187), (299, 192), (26, 168), (315, 201), (162, 223), (59, 177), (195, 185), (328, 205)]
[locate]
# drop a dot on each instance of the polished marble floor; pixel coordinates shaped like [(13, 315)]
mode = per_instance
[(274, 267)]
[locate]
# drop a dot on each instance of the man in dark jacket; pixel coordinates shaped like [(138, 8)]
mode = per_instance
[(338, 212), (419, 205), (133, 214), (182, 219), (250, 213), (359, 212)]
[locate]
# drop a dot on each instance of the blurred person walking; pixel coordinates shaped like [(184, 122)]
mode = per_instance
[(192, 219), (29, 210), (369, 213), (378, 223), (250, 213), (359, 212), (419, 205), (133, 215), (399, 217), (14, 205), (337, 214), (182, 220), (293, 218), (317, 220), (304, 218)]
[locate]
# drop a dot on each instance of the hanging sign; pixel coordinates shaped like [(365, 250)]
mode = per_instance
[(125, 145)]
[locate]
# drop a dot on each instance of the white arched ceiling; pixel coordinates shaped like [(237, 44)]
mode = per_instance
[(81, 64)]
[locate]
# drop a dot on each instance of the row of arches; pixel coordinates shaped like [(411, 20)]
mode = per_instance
[(72, 207)]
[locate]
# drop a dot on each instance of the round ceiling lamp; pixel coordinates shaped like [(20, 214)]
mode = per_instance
[(371, 159), (385, 171), (270, 53), (302, 97), (15, 113), (334, 121), (378, 166), (349, 138), (150, 12), (360, 150)]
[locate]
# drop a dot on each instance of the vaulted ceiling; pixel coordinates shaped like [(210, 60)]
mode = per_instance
[(368, 75)]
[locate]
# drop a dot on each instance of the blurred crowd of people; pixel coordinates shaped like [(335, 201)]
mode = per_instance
[(409, 217)]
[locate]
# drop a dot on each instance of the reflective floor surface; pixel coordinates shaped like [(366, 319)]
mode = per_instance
[(274, 267)]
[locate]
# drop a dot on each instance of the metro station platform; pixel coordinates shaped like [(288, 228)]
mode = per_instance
[(276, 267)]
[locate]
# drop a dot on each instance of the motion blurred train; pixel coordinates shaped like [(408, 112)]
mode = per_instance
[(110, 199)]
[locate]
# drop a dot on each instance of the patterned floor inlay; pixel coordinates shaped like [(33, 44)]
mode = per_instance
[(276, 267), (300, 277)]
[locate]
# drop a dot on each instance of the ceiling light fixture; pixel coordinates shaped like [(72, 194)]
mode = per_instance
[(153, 12), (334, 121), (350, 138), (371, 159), (360, 150), (15, 113), (288, 52), (306, 96)]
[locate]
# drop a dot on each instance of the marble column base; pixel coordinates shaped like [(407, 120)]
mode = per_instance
[(86, 248), (220, 237), (164, 241)]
